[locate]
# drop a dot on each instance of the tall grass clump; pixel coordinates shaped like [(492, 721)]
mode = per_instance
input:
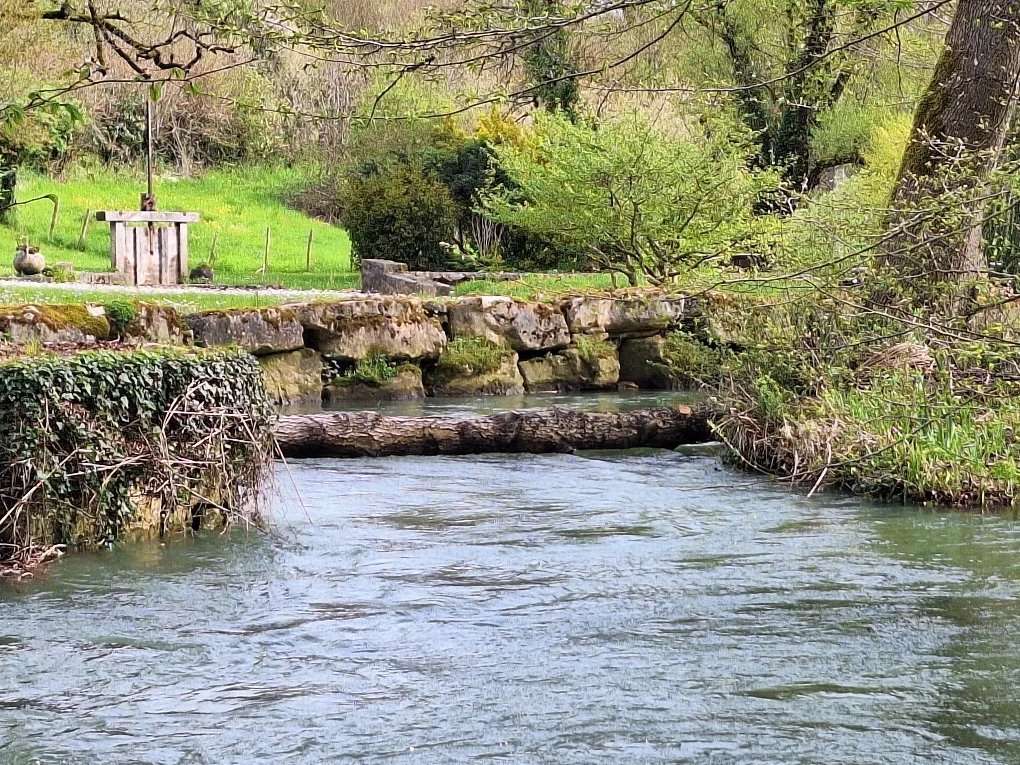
[(470, 356)]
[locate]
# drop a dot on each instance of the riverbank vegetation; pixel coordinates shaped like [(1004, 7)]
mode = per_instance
[(903, 406), (101, 444), (836, 180)]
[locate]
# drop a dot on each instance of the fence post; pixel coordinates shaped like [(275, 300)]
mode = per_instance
[(84, 228)]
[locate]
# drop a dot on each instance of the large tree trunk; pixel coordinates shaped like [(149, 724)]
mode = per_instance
[(367, 434), (959, 131)]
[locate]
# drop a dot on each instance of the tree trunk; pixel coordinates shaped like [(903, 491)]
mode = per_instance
[(557, 430), (8, 186), (959, 132)]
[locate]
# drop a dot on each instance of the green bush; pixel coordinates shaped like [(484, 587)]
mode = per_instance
[(374, 370), (401, 192), (691, 362), (592, 350), (120, 314), (409, 191), (844, 132), (399, 212)]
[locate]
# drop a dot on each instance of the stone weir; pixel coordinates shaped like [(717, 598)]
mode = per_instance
[(377, 347)]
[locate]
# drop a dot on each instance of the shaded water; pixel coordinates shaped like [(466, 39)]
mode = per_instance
[(481, 405), (643, 607)]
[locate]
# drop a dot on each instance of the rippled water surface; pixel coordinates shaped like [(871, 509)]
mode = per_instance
[(643, 607)]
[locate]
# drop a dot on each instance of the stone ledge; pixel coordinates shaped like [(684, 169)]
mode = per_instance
[(390, 277), (258, 331)]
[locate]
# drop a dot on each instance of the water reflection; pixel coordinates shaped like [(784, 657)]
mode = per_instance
[(638, 607)]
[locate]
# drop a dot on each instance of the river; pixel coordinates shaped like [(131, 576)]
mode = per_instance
[(639, 607)]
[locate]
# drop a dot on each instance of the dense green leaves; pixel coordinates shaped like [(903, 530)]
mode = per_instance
[(82, 436), (399, 213), (635, 200)]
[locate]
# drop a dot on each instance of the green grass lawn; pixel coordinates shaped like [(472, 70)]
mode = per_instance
[(237, 206)]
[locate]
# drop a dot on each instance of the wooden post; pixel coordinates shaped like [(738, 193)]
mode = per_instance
[(265, 254), (308, 253), (180, 238), (53, 218), (122, 254), (84, 229), (148, 201)]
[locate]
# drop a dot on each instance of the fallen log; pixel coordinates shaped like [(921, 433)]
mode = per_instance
[(536, 431)]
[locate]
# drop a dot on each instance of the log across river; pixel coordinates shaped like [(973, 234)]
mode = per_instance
[(535, 431)]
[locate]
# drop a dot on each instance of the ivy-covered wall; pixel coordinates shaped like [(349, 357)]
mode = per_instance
[(96, 444)]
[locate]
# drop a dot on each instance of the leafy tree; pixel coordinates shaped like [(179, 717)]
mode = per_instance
[(31, 137), (549, 63), (635, 201)]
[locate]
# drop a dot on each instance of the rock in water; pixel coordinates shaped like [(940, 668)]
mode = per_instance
[(405, 386)]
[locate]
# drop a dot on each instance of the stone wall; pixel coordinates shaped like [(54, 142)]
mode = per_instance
[(88, 325), (590, 342), (577, 343)]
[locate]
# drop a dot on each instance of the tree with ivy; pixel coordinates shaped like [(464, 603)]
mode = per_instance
[(957, 145), (549, 64), (790, 62)]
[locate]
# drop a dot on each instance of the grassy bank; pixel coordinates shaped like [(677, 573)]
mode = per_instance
[(901, 407), (237, 206), (537, 286)]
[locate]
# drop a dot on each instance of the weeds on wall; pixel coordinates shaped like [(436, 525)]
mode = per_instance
[(470, 357)]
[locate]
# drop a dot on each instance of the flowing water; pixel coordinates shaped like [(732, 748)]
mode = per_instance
[(640, 607)]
